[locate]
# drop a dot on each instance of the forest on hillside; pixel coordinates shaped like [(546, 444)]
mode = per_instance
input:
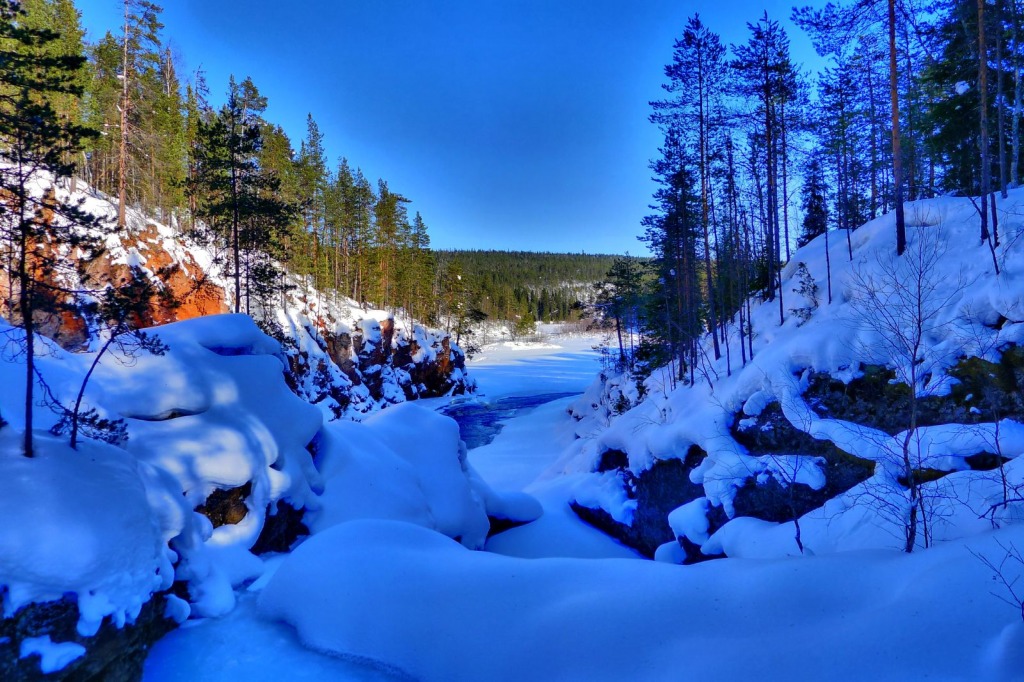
[(759, 156), (543, 287), (137, 129)]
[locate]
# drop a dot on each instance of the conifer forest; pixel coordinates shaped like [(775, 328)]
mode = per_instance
[(759, 157)]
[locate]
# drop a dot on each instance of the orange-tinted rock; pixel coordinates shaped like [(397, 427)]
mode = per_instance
[(387, 333)]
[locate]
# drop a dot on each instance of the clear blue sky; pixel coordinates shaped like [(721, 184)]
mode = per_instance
[(511, 124)]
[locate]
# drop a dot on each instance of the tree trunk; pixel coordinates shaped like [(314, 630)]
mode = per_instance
[(1015, 126), (122, 157), (874, 142), (703, 125), (25, 302), (235, 248), (828, 266), (785, 179), (897, 161), (1000, 104), (983, 118)]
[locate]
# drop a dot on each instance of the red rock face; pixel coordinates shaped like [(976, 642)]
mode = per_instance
[(62, 326), (185, 290), (387, 333)]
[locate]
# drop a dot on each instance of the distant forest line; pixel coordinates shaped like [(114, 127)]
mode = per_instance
[(530, 286)]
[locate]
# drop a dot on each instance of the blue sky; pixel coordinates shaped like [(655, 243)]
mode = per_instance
[(511, 124)]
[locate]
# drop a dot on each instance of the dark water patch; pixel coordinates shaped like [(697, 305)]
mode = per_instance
[(479, 422)]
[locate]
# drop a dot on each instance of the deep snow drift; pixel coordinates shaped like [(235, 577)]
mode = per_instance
[(110, 524)]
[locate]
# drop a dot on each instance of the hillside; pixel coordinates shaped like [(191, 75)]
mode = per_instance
[(346, 358), (542, 286), (889, 416)]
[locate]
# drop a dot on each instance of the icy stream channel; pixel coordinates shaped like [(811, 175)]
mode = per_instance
[(480, 422), (515, 428)]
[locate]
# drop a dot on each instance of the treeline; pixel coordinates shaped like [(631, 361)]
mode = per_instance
[(229, 174), (759, 158), (517, 285)]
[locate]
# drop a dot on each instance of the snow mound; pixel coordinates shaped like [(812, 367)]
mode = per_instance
[(93, 522), (405, 595), (212, 413)]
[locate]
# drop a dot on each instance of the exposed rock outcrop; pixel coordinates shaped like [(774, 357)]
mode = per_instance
[(113, 654), (983, 391)]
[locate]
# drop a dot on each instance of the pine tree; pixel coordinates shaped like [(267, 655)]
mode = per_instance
[(418, 266), (360, 208), (313, 180), (276, 160), (835, 30), (240, 202), (696, 79), (101, 113), (166, 141), (61, 17), (766, 75), (390, 224), (36, 141), (197, 111), (139, 54)]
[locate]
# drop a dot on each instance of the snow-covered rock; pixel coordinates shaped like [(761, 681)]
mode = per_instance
[(347, 359), (208, 426)]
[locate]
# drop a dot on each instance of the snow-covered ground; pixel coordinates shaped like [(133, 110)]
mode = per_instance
[(237, 644), (557, 607), (579, 608)]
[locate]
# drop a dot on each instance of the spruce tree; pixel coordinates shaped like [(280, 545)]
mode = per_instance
[(813, 202), (696, 81)]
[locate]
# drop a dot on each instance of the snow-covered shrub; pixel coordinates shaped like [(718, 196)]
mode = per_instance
[(808, 288)]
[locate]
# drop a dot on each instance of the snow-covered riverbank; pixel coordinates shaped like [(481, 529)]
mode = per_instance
[(238, 644), (567, 603)]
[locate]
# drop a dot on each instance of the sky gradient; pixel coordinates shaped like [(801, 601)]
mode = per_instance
[(511, 124)]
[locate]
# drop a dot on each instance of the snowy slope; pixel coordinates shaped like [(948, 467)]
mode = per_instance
[(348, 359), (946, 283)]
